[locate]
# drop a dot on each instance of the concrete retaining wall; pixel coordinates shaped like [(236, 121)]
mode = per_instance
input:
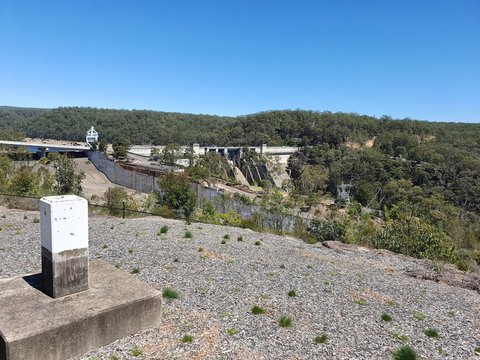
[(147, 183)]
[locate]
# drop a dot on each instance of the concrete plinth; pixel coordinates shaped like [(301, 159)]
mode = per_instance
[(35, 326), (64, 230)]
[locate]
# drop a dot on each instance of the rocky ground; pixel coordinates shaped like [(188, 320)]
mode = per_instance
[(341, 292)]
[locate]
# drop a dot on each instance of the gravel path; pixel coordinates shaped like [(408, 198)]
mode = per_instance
[(341, 294)]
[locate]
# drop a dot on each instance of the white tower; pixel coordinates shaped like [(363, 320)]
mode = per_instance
[(92, 136)]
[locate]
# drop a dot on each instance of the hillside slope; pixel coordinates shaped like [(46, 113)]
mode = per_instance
[(341, 293)]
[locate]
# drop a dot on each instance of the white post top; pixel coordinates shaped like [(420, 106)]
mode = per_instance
[(64, 223)]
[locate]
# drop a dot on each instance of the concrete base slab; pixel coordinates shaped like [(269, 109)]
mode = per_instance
[(36, 326)]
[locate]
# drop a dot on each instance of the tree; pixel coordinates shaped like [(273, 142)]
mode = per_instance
[(178, 194), (116, 198), (68, 181), (6, 168), (170, 154), (102, 147), (120, 148)]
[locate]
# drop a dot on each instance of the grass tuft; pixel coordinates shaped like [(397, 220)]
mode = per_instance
[(232, 331), (321, 339), (188, 234), (36, 220), (163, 229), (386, 317), (405, 353), (285, 321), (258, 310), (431, 333), (136, 352), (292, 293), (186, 338), (419, 315), (240, 238), (226, 236), (169, 293), (135, 270), (223, 242), (258, 243)]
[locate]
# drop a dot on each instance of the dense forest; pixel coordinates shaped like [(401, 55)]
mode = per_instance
[(407, 169)]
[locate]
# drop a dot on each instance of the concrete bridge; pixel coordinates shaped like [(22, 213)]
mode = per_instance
[(44, 147)]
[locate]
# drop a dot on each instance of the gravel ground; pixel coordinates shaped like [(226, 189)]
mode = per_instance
[(341, 294)]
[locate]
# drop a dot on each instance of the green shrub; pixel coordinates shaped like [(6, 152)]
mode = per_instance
[(36, 220), (292, 293), (188, 235), (285, 321), (431, 333), (135, 270), (257, 310), (414, 237), (223, 242), (169, 293), (136, 352), (187, 338), (321, 339), (164, 229), (386, 317), (240, 238), (116, 197), (232, 331), (405, 353), (178, 195), (322, 230), (258, 243), (226, 236)]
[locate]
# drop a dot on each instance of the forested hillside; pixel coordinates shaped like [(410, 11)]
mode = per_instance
[(422, 177)]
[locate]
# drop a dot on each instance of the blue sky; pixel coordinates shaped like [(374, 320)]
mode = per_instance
[(402, 58)]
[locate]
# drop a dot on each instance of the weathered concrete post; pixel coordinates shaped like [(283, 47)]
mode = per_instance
[(64, 233)]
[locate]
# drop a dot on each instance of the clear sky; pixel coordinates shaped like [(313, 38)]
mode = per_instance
[(403, 58)]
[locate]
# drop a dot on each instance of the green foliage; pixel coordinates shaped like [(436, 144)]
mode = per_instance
[(135, 352), (285, 321), (414, 237), (215, 165), (258, 243), (164, 229), (431, 333), (169, 155), (322, 230), (169, 293), (257, 310), (135, 270), (36, 220), (240, 238), (102, 146), (120, 148), (405, 353), (386, 317), (197, 172), (186, 338), (419, 315), (68, 181), (188, 235), (116, 197), (321, 339), (232, 331), (400, 337), (178, 194), (292, 293)]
